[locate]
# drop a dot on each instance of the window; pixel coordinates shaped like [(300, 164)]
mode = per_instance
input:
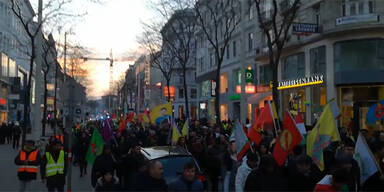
[(294, 66), (250, 41), (318, 60), (228, 54), (223, 83), (193, 93), (234, 48), (12, 68), (356, 7), (265, 74), (4, 65), (201, 64), (181, 93), (359, 55)]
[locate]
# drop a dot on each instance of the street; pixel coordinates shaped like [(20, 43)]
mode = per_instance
[(9, 181)]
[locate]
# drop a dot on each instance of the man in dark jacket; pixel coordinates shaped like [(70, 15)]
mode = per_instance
[(188, 181), (305, 175), (82, 147), (53, 167), (108, 182), (153, 181), (130, 165), (103, 163), (28, 160), (16, 136)]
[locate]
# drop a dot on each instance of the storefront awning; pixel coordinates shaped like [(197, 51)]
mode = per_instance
[(256, 98)]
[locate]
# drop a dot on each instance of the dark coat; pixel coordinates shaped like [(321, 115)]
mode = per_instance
[(256, 181), (180, 184), (102, 185), (24, 175), (57, 180), (102, 164), (148, 183), (129, 166)]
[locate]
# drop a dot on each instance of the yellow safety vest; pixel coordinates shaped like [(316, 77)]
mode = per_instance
[(52, 167)]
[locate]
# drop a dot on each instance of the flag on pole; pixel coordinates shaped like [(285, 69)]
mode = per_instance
[(375, 112), (300, 124), (321, 136), (263, 122), (161, 113), (107, 132), (241, 139), (175, 133), (96, 146), (365, 159), (185, 130), (287, 140)]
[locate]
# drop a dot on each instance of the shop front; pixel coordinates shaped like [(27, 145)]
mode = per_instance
[(304, 96), (359, 79)]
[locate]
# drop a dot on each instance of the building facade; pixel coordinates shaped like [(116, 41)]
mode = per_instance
[(179, 52), (341, 60)]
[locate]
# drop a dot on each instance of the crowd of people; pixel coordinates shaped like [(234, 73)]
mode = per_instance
[(10, 134), (122, 166)]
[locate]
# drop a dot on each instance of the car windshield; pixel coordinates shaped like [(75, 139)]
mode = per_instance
[(173, 166)]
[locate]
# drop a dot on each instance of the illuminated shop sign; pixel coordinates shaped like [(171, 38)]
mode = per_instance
[(305, 81)]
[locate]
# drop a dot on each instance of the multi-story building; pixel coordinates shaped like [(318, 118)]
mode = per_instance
[(341, 53), (147, 85), (237, 71), (14, 51), (179, 32), (333, 52)]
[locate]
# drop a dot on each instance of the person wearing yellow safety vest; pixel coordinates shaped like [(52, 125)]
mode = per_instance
[(28, 161), (53, 167)]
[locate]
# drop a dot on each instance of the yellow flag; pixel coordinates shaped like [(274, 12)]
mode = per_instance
[(160, 113), (185, 130), (321, 136), (145, 119), (175, 133)]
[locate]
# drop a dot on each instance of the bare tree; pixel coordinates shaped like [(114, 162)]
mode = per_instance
[(54, 12), (275, 24), (151, 41), (49, 60), (217, 20)]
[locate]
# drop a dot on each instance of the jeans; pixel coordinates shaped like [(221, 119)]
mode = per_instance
[(227, 181), (25, 185)]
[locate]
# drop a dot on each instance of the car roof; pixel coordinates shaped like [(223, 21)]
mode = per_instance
[(163, 151)]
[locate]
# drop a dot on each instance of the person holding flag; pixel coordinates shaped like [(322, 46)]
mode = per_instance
[(323, 134)]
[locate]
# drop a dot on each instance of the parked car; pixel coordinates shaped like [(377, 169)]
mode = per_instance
[(173, 159)]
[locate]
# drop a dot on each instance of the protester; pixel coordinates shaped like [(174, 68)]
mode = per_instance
[(153, 181), (266, 178), (244, 170), (103, 163), (28, 161), (188, 181), (376, 181), (82, 147), (16, 136), (129, 165), (108, 182), (335, 182), (305, 175), (53, 168)]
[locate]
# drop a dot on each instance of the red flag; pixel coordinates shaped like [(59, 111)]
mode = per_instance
[(287, 140), (254, 132), (130, 117), (122, 124), (114, 116), (264, 121)]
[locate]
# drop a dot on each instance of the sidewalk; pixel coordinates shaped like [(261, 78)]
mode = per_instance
[(10, 182)]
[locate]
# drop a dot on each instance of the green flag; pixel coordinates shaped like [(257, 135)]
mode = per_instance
[(95, 146)]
